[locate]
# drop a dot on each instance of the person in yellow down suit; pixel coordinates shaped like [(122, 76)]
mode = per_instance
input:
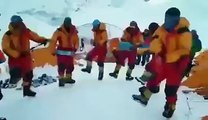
[(16, 45), (64, 44), (100, 49), (172, 45)]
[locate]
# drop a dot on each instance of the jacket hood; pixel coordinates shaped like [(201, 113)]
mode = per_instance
[(102, 26), (13, 26), (183, 23)]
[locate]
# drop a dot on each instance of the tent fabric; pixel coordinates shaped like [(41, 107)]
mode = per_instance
[(199, 72)]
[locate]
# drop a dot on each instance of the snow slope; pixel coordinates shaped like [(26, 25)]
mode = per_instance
[(45, 16), (90, 99)]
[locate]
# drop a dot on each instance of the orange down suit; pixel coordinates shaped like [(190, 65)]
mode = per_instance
[(135, 38), (17, 48), (100, 43), (173, 49), (66, 43)]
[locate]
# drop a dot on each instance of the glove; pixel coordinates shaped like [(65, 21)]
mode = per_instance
[(147, 52), (202, 91), (45, 42), (24, 54), (54, 54), (140, 45), (75, 50), (133, 48)]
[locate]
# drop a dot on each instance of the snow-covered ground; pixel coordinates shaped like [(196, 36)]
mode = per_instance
[(90, 99)]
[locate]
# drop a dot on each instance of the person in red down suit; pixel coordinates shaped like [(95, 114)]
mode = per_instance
[(131, 39), (100, 48)]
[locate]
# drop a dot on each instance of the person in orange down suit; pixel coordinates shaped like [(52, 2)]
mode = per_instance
[(131, 39), (68, 42), (172, 44), (100, 48), (16, 45)]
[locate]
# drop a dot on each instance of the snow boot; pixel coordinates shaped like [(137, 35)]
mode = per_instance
[(144, 97), (88, 67), (142, 89), (168, 110), (5, 84), (2, 118), (116, 71), (69, 79), (129, 78), (61, 82), (101, 72), (114, 74), (12, 86), (205, 97), (28, 92), (128, 75), (100, 76)]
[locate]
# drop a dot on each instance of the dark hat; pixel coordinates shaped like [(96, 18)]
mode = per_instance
[(132, 31), (133, 24), (173, 11), (67, 21), (153, 27), (16, 19), (193, 31)]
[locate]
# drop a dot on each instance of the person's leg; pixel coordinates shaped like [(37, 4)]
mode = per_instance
[(138, 59), (61, 60), (90, 56), (27, 74), (15, 71), (69, 69), (27, 81), (131, 63), (151, 87), (101, 70), (173, 80), (15, 76), (100, 61), (120, 61), (144, 56), (148, 57)]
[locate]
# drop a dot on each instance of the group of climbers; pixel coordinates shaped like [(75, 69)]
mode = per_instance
[(172, 47)]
